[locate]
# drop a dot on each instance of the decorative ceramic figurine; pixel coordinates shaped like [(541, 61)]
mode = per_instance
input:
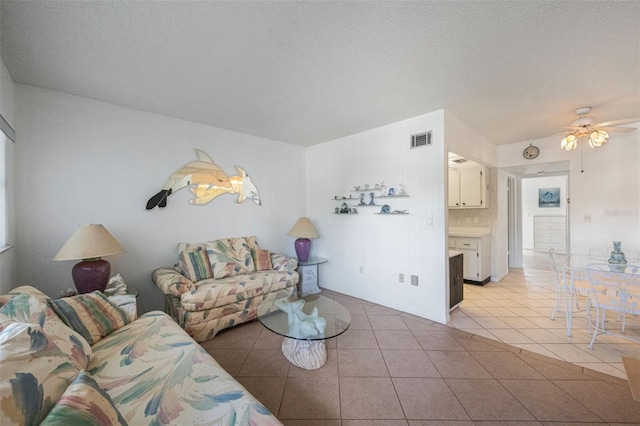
[(366, 186), (402, 189), (392, 192), (371, 203), (337, 210), (344, 208), (383, 189), (354, 211), (361, 203), (301, 325), (356, 188), (617, 256), (385, 209)]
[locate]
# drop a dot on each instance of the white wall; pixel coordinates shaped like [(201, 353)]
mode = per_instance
[(530, 207), (8, 258), (608, 189), (80, 161), (366, 252)]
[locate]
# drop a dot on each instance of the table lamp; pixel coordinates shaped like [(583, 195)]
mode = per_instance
[(90, 243), (303, 230)]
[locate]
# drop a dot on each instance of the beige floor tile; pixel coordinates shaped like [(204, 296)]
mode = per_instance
[(428, 398), (526, 312), (603, 368), (268, 340), (486, 304), (242, 336), (414, 324), (474, 311), (441, 423), (456, 364), (437, 341), (629, 349), (478, 345), (547, 402), (540, 335), (310, 398), (493, 322), (396, 339), (355, 308), (509, 423), (487, 400), (603, 352), (329, 369), (547, 323), (360, 322), (265, 363), (310, 422), (605, 401), (369, 398), (357, 339), (464, 322), (380, 310), (231, 360), (374, 423), (518, 322), (506, 365), (407, 363), (361, 363), (510, 335), (570, 352), (268, 390), (481, 332), (387, 322), (535, 348)]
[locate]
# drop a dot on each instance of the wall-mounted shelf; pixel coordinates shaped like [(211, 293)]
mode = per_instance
[(392, 213), (346, 213)]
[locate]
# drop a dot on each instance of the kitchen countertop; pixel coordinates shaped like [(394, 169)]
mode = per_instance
[(469, 231)]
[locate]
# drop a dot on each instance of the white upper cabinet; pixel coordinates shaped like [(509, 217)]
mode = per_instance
[(467, 188)]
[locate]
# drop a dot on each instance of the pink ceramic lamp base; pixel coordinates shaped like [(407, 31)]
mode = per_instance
[(91, 275)]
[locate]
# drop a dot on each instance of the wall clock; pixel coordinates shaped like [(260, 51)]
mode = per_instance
[(530, 152)]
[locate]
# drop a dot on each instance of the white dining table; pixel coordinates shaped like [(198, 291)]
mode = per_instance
[(576, 266)]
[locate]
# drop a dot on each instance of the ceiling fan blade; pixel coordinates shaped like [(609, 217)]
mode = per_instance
[(618, 129), (616, 122)]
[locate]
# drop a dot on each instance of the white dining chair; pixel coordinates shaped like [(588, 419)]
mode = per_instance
[(562, 288), (622, 295)]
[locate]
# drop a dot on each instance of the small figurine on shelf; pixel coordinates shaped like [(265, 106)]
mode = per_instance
[(366, 186), (400, 212), (371, 203), (361, 203), (356, 188), (344, 208), (402, 189), (354, 211), (337, 210), (383, 189), (392, 192), (385, 209)]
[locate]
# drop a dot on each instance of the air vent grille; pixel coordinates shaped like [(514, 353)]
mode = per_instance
[(421, 139)]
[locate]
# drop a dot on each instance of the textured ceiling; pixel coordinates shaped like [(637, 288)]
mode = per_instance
[(308, 72)]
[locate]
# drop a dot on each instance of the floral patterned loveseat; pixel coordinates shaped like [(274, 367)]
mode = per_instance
[(83, 361), (219, 284)]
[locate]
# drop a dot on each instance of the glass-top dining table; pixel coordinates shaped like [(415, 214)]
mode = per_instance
[(576, 266)]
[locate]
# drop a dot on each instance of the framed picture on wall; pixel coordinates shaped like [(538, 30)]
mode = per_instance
[(549, 197)]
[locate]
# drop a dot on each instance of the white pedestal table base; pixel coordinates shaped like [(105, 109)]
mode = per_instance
[(307, 354)]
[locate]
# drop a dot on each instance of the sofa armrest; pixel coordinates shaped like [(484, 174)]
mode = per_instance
[(172, 282), (280, 262)]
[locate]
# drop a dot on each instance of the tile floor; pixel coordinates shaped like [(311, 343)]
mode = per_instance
[(517, 310), (391, 369)]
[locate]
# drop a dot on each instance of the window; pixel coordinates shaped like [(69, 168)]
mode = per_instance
[(7, 136)]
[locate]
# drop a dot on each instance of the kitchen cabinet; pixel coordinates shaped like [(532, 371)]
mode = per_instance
[(467, 188), (456, 285), (475, 245), (550, 232)]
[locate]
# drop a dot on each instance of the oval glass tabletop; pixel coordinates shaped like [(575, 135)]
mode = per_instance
[(313, 317)]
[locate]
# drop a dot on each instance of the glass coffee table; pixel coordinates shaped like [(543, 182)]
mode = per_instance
[(305, 322)]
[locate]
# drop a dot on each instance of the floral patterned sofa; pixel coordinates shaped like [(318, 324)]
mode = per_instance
[(83, 361), (219, 284)]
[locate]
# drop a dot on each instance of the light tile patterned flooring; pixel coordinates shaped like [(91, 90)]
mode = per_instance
[(395, 369), (517, 310)]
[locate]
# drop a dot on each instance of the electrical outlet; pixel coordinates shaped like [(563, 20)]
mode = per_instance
[(414, 280), (401, 278)]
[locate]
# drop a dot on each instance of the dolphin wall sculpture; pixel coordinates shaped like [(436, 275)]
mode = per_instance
[(206, 182)]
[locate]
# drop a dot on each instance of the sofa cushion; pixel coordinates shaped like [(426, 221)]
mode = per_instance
[(194, 261), (169, 380), (261, 259), (213, 293), (230, 257), (91, 315), (84, 403), (35, 372), (27, 308)]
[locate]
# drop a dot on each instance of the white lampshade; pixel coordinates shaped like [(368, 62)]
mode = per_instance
[(89, 242), (303, 229)]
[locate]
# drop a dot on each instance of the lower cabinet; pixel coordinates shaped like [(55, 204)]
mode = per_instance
[(476, 257), (456, 286)]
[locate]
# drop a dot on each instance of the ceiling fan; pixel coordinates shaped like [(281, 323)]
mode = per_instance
[(598, 133)]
